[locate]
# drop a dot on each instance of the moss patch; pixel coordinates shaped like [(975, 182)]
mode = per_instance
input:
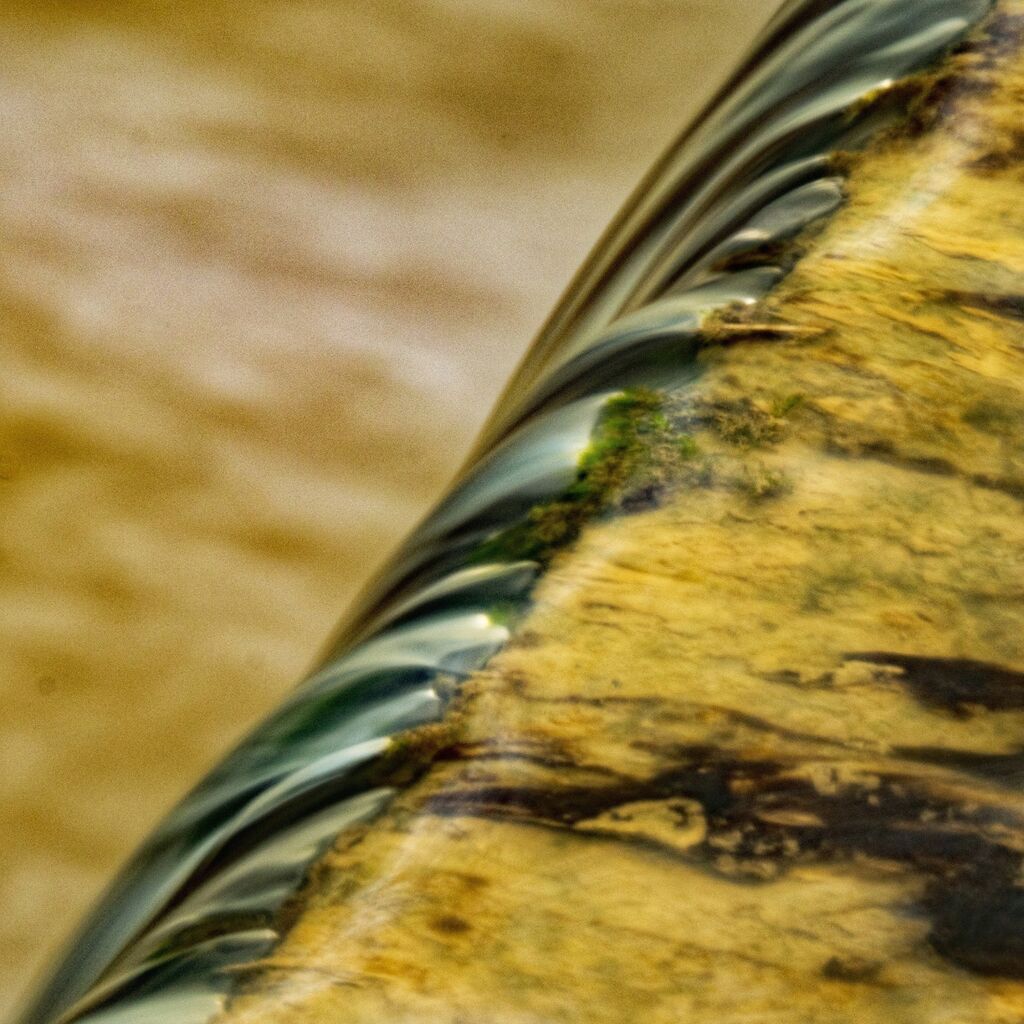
[(646, 446), (634, 455)]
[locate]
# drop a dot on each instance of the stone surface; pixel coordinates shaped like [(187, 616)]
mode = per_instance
[(755, 752), (223, 227)]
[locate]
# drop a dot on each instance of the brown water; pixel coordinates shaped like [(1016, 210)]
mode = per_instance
[(263, 269)]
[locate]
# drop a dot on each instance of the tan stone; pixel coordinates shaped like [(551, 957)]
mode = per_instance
[(750, 755)]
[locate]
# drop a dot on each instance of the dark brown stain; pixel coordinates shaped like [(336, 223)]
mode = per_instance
[(1006, 769), (978, 920), (1011, 306), (1008, 153), (450, 924), (851, 969), (766, 816), (957, 685)]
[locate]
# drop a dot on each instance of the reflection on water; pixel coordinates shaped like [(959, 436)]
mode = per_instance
[(265, 267)]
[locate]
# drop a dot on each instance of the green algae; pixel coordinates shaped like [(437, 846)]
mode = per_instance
[(688, 447), (633, 456), (646, 446)]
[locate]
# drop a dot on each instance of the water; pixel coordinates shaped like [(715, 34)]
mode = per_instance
[(754, 169), (265, 267)]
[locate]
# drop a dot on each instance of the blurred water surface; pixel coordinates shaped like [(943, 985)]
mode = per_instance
[(263, 269)]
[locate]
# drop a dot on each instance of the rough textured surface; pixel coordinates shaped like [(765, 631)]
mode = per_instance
[(755, 754)]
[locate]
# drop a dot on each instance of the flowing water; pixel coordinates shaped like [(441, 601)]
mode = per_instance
[(701, 236), (265, 268)]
